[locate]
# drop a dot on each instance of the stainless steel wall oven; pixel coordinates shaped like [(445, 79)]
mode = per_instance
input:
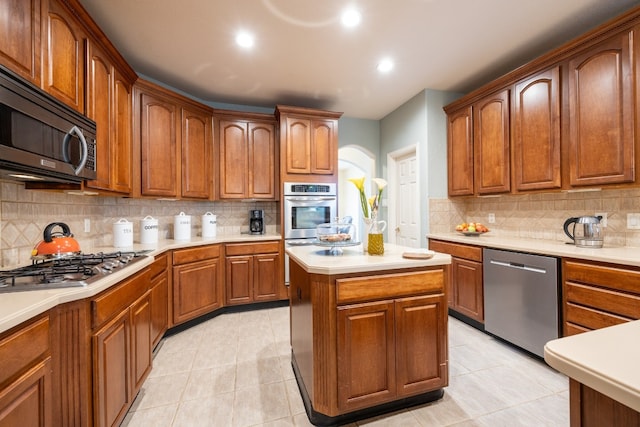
[(306, 205)]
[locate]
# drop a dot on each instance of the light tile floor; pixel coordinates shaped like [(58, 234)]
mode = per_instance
[(234, 370)]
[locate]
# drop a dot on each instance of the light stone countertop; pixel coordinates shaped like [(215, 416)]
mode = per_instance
[(625, 255), (605, 359), (18, 307), (314, 259)]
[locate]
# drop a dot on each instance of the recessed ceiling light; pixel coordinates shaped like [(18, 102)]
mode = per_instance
[(350, 18), (385, 65), (245, 39)]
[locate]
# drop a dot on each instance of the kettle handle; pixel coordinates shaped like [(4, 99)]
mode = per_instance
[(566, 227), (66, 231)]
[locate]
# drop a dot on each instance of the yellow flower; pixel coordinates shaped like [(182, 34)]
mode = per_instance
[(358, 182), (371, 200)]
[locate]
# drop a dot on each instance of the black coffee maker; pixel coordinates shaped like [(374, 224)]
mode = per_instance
[(256, 221)]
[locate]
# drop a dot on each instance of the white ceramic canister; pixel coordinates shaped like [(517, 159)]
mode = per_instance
[(209, 226), (148, 230), (122, 233), (182, 226)]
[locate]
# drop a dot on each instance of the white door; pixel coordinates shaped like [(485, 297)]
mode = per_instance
[(407, 201)]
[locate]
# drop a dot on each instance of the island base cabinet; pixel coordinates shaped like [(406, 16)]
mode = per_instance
[(390, 349), (589, 408)]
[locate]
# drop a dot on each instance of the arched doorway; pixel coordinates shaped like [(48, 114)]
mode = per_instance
[(354, 162)]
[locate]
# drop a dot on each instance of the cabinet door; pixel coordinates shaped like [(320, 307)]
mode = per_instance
[(323, 147), (460, 153), (99, 109), (491, 144), (20, 38), (159, 307), (421, 346), (536, 132), (196, 289), (233, 159), (197, 146), (468, 294), (159, 147), (63, 52), (239, 271), (266, 275), (112, 383), (601, 120), (121, 179), (298, 145), (262, 169), (366, 355), (27, 402), (140, 342)]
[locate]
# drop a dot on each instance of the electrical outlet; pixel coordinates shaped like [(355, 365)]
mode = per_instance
[(492, 218), (87, 225), (603, 221), (633, 221)]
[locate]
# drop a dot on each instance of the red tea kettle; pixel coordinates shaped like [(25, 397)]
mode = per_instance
[(57, 244)]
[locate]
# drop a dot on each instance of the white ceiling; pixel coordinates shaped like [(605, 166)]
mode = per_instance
[(303, 56)]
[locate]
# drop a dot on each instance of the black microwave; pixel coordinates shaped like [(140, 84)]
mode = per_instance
[(41, 139)]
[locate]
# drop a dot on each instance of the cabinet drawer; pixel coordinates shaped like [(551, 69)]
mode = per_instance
[(607, 300), (22, 348), (182, 256), (159, 265), (590, 318), (622, 279), (474, 253), (252, 248), (113, 301), (389, 286)]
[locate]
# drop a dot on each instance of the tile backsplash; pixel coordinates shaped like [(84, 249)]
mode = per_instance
[(25, 213), (541, 215)]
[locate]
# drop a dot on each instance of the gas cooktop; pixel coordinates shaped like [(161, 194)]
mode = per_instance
[(75, 271)]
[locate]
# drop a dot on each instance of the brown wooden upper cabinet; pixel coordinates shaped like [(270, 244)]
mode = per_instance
[(309, 142), (109, 92), (63, 55), (20, 38), (173, 145), (247, 156), (602, 86), (491, 144), (535, 144), (460, 152)]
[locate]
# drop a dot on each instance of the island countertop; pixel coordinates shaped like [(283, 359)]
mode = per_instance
[(605, 360), (315, 259)]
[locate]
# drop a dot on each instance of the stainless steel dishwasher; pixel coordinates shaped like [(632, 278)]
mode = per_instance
[(521, 298)]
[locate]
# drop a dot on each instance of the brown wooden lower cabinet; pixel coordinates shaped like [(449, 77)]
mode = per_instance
[(25, 375), (466, 294), (597, 295), (160, 279), (254, 272), (121, 347), (361, 340), (197, 282)]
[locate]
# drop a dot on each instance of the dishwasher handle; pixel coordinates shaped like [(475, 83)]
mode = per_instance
[(518, 266)]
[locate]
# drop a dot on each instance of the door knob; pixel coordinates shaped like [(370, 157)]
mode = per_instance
[(397, 229)]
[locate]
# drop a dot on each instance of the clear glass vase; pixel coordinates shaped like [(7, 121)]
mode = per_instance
[(375, 236)]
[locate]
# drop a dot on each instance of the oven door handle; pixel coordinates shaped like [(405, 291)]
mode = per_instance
[(310, 199)]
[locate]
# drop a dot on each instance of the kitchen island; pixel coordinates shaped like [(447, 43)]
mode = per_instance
[(368, 333)]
